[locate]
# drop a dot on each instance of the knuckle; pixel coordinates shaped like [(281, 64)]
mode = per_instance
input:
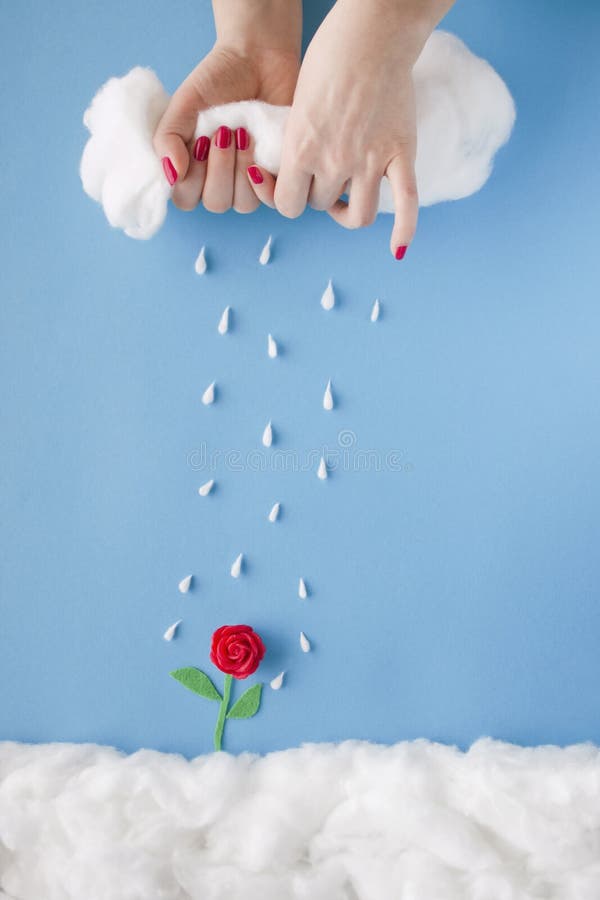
[(304, 159), (364, 218), (164, 136), (335, 162), (360, 218), (158, 143), (372, 163), (303, 147), (408, 190)]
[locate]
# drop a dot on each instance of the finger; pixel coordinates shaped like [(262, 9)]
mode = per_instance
[(361, 208), (244, 198), (175, 131), (401, 173), (217, 195), (187, 193), (291, 190), (263, 184), (323, 193)]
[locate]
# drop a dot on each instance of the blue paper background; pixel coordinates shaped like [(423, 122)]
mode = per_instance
[(454, 597)]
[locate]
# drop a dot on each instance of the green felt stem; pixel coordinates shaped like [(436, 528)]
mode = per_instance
[(223, 712)]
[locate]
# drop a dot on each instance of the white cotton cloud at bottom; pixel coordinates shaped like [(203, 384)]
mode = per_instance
[(354, 821), (465, 113)]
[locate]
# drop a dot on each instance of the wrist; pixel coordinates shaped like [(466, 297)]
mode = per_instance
[(249, 26), (407, 23), (425, 13)]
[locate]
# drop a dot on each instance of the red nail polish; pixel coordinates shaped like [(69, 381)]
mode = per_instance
[(255, 174), (169, 170), (242, 139), (201, 148), (223, 137), (400, 251)]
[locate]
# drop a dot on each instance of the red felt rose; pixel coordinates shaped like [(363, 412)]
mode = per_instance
[(236, 650)]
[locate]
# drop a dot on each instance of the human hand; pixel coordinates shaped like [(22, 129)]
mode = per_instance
[(256, 56), (353, 117)]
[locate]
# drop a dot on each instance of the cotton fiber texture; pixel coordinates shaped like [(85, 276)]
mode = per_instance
[(465, 113), (356, 821)]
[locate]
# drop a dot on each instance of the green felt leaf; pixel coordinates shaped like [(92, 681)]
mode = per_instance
[(247, 705), (196, 681)]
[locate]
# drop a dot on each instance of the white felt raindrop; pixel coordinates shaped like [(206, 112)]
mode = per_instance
[(277, 682), (223, 326), (208, 396), (200, 265), (172, 630), (267, 435), (205, 489), (304, 643), (265, 253), (328, 297), (236, 568)]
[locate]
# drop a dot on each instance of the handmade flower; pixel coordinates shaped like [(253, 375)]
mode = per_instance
[(237, 650)]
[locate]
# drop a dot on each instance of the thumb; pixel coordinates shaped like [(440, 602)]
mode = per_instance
[(401, 174), (175, 131)]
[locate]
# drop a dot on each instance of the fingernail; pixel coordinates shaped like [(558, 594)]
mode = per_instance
[(223, 137), (255, 174), (201, 148), (169, 170), (400, 251), (242, 139)]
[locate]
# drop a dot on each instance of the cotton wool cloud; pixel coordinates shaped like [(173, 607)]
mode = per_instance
[(465, 113), (354, 821)]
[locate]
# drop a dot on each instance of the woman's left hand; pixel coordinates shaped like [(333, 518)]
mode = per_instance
[(353, 117), (256, 56)]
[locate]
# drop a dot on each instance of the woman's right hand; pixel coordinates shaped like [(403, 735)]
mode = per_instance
[(256, 56), (353, 119)]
